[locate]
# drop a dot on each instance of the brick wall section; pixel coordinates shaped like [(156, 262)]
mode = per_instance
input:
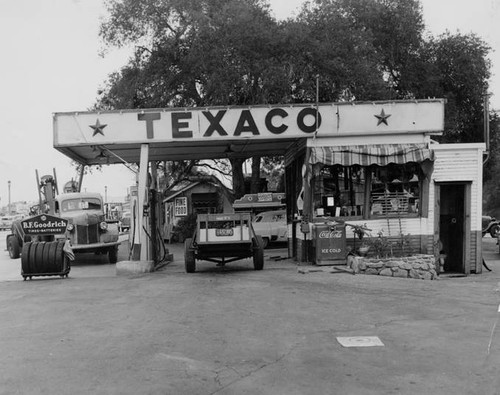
[(421, 266)]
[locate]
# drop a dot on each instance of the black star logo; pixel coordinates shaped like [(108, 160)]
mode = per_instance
[(98, 127), (382, 118)]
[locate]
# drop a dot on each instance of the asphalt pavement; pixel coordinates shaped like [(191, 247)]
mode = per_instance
[(234, 330)]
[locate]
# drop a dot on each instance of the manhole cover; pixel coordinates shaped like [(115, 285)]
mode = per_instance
[(360, 341)]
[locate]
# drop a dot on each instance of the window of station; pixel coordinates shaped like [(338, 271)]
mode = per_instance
[(339, 191), (349, 191), (395, 189)]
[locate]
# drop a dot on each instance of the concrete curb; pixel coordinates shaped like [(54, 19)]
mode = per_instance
[(134, 267)]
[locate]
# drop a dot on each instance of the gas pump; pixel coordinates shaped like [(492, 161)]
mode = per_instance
[(150, 213)]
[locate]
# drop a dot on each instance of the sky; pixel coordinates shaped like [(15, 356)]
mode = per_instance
[(51, 63)]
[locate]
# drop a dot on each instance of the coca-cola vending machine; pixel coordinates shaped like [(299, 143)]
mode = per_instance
[(329, 243)]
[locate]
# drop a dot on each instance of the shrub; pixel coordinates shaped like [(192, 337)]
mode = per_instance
[(185, 227)]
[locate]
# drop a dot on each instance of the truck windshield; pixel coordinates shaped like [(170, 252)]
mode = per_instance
[(81, 204)]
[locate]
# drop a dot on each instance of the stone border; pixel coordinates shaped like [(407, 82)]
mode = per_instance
[(421, 266)]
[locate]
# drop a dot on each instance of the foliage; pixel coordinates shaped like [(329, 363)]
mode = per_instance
[(195, 53), (364, 49), (185, 227), (381, 245), (233, 52), (491, 186), (360, 231), (459, 71), (404, 244)]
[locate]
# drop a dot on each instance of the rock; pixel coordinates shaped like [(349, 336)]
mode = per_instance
[(406, 266), (386, 272), (401, 273), (374, 265), (393, 263), (427, 276), (412, 273), (353, 263), (371, 271)]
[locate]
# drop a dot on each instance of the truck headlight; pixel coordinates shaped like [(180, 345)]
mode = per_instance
[(70, 227), (103, 225)]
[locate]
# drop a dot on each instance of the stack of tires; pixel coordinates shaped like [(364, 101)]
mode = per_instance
[(44, 258)]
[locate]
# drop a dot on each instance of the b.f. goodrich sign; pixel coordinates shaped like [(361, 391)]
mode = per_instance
[(44, 224)]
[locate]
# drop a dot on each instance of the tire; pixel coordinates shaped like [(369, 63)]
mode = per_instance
[(38, 253), (25, 259), (36, 266), (258, 253), (60, 256), (46, 252), (265, 242), (189, 257), (113, 255), (494, 231), (52, 253), (13, 247)]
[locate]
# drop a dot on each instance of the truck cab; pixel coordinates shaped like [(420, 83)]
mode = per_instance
[(88, 230)]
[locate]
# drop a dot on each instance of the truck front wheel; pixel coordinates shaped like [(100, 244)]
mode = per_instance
[(189, 258), (113, 255), (13, 247)]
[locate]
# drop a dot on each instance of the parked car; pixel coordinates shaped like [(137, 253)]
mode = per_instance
[(6, 221), (271, 226), (490, 225)]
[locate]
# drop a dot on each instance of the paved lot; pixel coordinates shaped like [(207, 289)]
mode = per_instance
[(234, 330)]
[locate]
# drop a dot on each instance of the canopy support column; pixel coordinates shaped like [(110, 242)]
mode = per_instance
[(142, 197), (141, 248)]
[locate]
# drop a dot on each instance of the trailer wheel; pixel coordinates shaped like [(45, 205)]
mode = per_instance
[(189, 258), (113, 255), (494, 231), (13, 247), (258, 254)]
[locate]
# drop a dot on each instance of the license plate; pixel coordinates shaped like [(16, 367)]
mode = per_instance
[(224, 232)]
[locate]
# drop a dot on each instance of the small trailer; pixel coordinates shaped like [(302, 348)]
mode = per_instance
[(223, 238)]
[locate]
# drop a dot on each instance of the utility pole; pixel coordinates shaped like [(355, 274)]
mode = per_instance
[(8, 209), (486, 126)]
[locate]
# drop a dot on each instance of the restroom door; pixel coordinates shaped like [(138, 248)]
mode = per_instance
[(452, 224)]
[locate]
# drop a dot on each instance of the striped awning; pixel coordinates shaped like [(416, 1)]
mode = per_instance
[(366, 155)]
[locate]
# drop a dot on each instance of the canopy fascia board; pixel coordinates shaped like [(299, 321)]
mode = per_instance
[(206, 132)]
